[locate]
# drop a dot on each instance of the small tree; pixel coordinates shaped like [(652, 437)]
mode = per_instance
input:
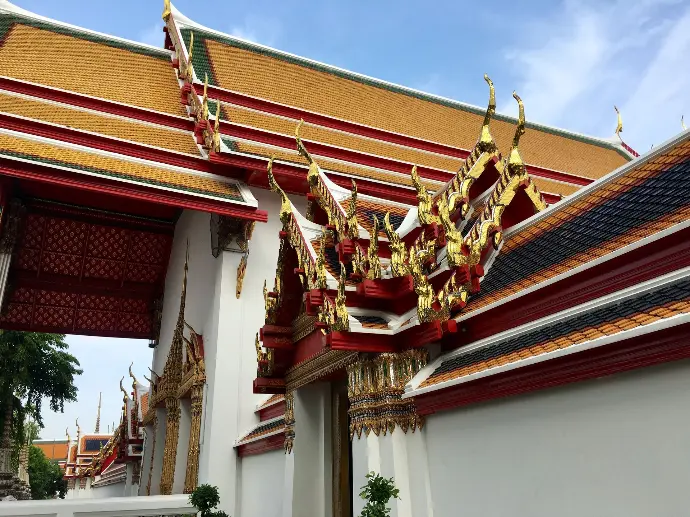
[(205, 498), (45, 476), (377, 492)]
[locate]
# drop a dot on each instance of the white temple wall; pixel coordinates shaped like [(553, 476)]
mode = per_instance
[(112, 490), (263, 475), (608, 447), (182, 446)]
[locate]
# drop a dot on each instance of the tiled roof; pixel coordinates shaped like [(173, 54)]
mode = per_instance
[(270, 427), (336, 138), (261, 72), (56, 56), (635, 311), (53, 451), (105, 125), (326, 164), (638, 203), (144, 403), (374, 322), (366, 210), (17, 147), (92, 444), (272, 400)]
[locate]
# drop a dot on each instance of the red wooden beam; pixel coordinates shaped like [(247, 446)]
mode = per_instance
[(655, 259), (386, 289), (272, 411), (658, 347), (359, 342), (93, 103), (274, 336), (47, 174), (269, 385)]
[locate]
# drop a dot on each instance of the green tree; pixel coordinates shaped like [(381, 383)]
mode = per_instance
[(377, 492), (206, 498), (45, 476), (33, 367)]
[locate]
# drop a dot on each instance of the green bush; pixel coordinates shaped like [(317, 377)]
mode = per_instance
[(205, 498), (377, 492)]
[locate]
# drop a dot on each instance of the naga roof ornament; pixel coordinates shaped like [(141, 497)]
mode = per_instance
[(619, 123), (397, 247), (190, 66), (425, 199), (204, 100), (682, 123), (216, 127), (285, 205), (373, 261)]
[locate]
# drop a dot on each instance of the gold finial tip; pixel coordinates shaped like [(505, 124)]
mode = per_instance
[(488, 80), (516, 96), (682, 123), (616, 108)]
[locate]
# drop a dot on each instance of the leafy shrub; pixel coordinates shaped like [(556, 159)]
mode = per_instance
[(377, 492), (205, 498)]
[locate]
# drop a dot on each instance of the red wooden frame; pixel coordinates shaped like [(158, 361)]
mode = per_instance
[(271, 443), (47, 174)]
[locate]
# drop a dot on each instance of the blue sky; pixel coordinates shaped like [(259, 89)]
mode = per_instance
[(571, 61)]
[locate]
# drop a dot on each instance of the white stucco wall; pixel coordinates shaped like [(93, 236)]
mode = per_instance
[(228, 326), (114, 490), (263, 476), (610, 447)]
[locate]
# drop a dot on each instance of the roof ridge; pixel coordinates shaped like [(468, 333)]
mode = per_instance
[(8, 8), (397, 88)]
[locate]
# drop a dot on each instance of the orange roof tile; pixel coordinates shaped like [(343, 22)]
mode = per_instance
[(117, 127), (19, 147), (607, 328), (59, 57), (271, 75), (53, 451)]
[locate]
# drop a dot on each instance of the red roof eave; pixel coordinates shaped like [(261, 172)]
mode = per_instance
[(51, 175)]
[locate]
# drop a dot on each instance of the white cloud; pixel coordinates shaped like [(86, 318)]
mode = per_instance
[(153, 35), (590, 56), (258, 29)]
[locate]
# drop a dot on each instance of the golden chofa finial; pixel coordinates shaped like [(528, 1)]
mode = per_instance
[(76, 422), (486, 142), (166, 10), (682, 123), (285, 205), (619, 124), (515, 163), (351, 216)]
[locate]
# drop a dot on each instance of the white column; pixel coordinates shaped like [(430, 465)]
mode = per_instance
[(128, 480)]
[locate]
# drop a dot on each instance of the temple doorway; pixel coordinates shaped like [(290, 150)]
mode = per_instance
[(341, 451)]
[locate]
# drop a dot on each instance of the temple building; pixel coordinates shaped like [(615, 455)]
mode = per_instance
[(491, 311)]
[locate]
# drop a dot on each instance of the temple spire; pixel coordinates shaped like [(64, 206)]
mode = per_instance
[(98, 415)]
